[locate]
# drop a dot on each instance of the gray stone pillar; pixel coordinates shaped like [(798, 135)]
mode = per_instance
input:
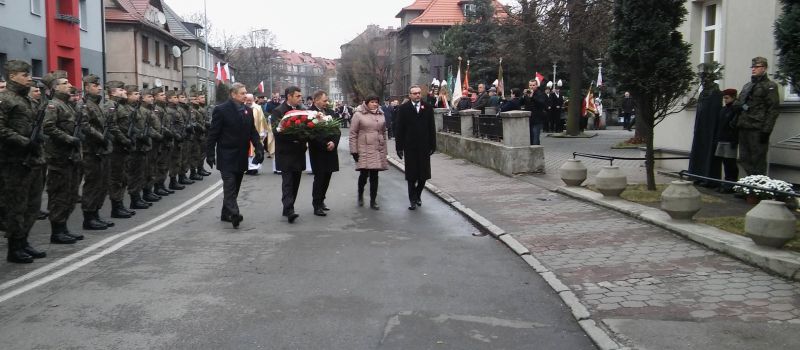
[(516, 128), (466, 121), (437, 117)]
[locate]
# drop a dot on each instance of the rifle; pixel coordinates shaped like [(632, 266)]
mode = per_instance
[(36, 136), (145, 134), (109, 144)]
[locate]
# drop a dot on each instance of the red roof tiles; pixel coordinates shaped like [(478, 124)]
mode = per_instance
[(444, 12)]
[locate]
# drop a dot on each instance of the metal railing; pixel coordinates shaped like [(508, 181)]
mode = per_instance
[(611, 159), (775, 193), (451, 123), (487, 126)]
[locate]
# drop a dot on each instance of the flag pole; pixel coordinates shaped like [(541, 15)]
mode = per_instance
[(205, 59)]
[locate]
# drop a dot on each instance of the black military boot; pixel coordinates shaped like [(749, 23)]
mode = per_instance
[(203, 172), (183, 180), (158, 190), (16, 254), (137, 202), (57, 235), (77, 236), (97, 217), (195, 176), (149, 196), (33, 252), (91, 223), (118, 210), (165, 188), (173, 184)]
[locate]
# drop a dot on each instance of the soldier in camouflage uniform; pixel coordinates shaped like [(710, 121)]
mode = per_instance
[(176, 126), (134, 166), (205, 120), (198, 146), (118, 110), (64, 157), (757, 106), (161, 166), (188, 140), (153, 137), (96, 148), (21, 163)]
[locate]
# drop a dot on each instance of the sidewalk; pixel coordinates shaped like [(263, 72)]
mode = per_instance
[(644, 285)]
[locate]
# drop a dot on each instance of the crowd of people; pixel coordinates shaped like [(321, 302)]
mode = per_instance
[(82, 150)]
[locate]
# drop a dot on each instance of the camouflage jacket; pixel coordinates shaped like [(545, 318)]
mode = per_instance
[(17, 121), (97, 138), (175, 122), (118, 110), (188, 121), (60, 121), (154, 120), (199, 121), (758, 105), (142, 129), (160, 112)]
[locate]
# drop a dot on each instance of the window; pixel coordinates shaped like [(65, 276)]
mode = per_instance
[(37, 68), (201, 58), (145, 86), (145, 49), (175, 64), (84, 71), (469, 10), (709, 41), (166, 56), (158, 53), (792, 95), (36, 7), (82, 14)]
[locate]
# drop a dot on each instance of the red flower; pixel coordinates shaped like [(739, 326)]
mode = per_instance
[(303, 118), (298, 121), (310, 125)]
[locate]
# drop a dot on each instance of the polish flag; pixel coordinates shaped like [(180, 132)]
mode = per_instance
[(539, 79), (218, 71), (261, 87), (226, 72)]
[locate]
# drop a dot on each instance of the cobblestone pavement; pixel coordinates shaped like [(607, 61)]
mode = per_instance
[(621, 268)]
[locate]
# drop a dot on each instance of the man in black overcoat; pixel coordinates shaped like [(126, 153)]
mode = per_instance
[(416, 141), (324, 157), (290, 153), (231, 133)]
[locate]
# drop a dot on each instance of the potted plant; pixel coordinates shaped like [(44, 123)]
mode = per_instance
[(766, 186)]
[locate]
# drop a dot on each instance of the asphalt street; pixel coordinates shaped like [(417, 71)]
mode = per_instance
[(356, 279)]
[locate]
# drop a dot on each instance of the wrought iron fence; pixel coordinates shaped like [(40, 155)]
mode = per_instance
[(488, 126), (451, 123)]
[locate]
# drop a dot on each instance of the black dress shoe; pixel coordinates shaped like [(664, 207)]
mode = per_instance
[(292, 217), (235, 220), (325, 207), (320, 212), (419, 202), (43, 214), (33, 252), (413, 206), (226, 218)]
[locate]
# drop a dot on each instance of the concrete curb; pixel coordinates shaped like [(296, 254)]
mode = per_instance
[(780, 262), (598, 335)]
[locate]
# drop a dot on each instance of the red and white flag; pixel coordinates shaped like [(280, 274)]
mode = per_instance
[(218, 71), (226, 72), (539, 79), (261, 87)]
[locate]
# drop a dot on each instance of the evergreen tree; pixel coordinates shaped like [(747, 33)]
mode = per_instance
[(222, 92), (651, 60), (787, 39)]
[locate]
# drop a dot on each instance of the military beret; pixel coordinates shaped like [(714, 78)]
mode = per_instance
[(73, 90), (91, 79), (760, 60), (115, 84), (53, 77), (171, 93), (17, 66), (131, 88), (729, 92)]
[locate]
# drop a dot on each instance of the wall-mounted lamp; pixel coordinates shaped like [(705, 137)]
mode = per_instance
[(25, 41)]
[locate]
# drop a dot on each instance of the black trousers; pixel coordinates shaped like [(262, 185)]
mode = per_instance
[(289, 187), (415, 188), (231, 182), (320, 187)]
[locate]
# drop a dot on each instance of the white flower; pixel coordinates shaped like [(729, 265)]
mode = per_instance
[(767, 185)]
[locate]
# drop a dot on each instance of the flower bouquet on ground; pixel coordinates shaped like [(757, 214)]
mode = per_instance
[(766, 185)]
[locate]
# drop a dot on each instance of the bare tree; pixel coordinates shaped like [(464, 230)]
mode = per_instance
[(366, 67), (251, 56)]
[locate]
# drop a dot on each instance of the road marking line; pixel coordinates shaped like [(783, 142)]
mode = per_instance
[(106, 251), (63, 261)]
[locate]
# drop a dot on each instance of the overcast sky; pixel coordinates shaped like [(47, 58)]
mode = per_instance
[(315, 26)]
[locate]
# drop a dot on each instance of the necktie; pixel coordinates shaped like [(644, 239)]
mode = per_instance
[(416, 106)]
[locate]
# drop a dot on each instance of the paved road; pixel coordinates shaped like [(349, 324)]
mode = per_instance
[(358, 279)]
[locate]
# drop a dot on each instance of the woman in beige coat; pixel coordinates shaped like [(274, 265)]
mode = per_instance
[(368, 147)]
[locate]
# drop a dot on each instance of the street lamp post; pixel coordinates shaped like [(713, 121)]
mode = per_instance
[(555, 65)]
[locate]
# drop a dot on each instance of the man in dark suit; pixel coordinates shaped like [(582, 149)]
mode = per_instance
[(290, 153), (324, 157), (483, 99), (416, 141), (231, 133)]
